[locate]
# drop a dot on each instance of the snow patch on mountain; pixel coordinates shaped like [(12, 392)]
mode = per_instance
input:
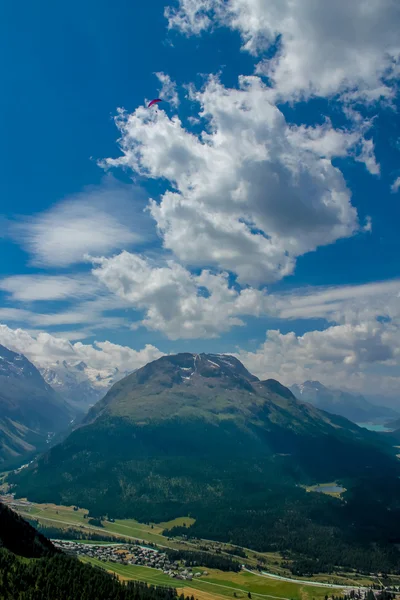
[(81, 384)]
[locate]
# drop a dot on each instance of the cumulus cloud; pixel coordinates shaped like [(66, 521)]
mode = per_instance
[(175, 301), (322, 50), (168, 90), (250, 193), (363, 357), (359, 350), (44, 349), (100, 219)]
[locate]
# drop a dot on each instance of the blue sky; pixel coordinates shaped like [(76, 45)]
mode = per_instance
[(317, 274)]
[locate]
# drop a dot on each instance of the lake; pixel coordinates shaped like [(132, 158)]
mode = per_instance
[(375, 427)]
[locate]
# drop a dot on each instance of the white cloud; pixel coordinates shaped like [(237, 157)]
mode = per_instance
[(168, 90), (359, 350), (322, 49), (65, 317), (44, 349), (100, 219), (100, 311), (341, 304), (327, 142), (26, 288), (396, 185), (363, 357), (367, 156), (251, 193), (175, 301)]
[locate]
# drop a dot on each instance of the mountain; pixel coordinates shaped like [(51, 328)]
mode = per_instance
[(31, 412), (46, 573), (394, 424), (199, 435), (351, 406), (80, 384)]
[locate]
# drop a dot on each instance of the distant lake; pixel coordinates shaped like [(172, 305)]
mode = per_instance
[(328, 489), (374, 427)]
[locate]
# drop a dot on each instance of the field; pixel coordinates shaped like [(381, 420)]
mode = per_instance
[(66, 516), (326, 488), (218, 584)]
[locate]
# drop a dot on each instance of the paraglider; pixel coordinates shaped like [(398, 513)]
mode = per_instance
[(154, 102)]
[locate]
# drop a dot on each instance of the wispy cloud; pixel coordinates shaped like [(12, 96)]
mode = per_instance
[(30, 288), (100, 219), (168, 90), (396, 185)]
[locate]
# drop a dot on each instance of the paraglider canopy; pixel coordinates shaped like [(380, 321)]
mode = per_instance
[(155, 101)]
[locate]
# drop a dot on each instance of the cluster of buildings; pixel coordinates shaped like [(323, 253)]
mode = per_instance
[(9, 500), (130, 555)]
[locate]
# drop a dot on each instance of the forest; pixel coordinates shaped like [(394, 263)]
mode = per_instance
[(310, 533), (225, 490), (212, 561), (65, 578)]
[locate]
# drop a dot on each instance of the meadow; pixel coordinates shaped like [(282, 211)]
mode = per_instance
[(331, 489)]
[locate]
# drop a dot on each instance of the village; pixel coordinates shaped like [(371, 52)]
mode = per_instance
[(130, 555)]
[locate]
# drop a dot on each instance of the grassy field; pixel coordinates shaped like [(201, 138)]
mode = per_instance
[(323, 488), (218, 584), (200, 595), (64, 516), (179, 522), (60, 516)]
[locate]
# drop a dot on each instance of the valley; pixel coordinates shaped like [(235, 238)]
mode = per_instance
[(273, 579), (194, 456), (200, 435)]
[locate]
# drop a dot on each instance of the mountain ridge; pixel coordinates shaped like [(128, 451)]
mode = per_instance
[(200, 435), (352, 406), (81, 385), (31, 412)]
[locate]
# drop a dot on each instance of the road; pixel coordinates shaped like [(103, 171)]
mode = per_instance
[(315, 583)]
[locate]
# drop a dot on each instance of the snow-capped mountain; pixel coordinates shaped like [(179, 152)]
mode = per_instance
[(346, 404), (14, 365), (79, 383)]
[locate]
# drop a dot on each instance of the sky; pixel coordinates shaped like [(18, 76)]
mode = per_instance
[(255, 212)]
